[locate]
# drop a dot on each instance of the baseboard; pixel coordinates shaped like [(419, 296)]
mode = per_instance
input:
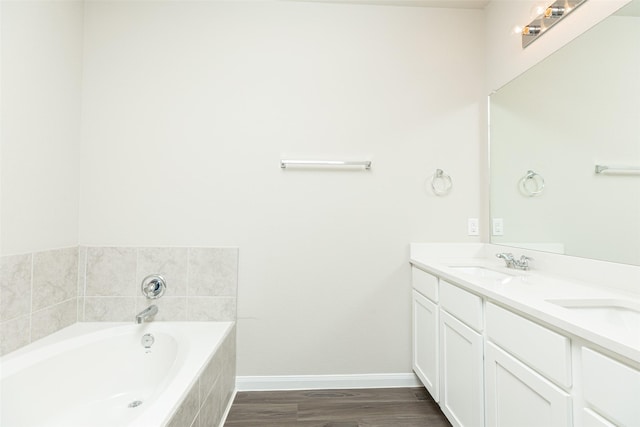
[(315, 382), (225, 414)]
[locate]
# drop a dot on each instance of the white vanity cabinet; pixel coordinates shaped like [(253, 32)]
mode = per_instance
[(521, 359), (447, 347), (425, 330), (500, 347), (461, 373), (461, 354), (425, 343), (610, 391)]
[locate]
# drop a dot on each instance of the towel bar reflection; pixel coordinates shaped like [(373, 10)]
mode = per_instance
[(364, 163), (603, 168)]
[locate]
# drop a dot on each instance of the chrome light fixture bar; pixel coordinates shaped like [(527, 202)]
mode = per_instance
[(547, 19)]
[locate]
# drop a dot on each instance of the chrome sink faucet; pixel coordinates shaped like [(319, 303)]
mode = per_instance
[(512, 262), (150, 311)]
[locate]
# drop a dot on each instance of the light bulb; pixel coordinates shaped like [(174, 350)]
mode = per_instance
[(554, 12), (531, 30)]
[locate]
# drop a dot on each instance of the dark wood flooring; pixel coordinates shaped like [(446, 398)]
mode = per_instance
[(390, 407)]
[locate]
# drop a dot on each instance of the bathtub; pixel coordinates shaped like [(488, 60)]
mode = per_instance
[(101, 374)]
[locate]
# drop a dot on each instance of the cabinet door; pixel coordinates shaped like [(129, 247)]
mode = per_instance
[(461, 372), (425, 342), (591, 419), (518, 396), (611, 388)]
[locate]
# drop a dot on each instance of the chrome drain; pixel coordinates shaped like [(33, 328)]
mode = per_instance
[(135, 403)]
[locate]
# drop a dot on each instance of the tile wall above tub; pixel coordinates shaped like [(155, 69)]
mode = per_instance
[(201, 283), (38, 295), (43, 292)]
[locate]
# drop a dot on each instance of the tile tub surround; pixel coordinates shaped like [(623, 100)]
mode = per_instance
[(38, 295), (201, 283), (212, 394), (42, 292)]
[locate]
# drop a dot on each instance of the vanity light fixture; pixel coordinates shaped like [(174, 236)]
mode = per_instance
[(547, 19)]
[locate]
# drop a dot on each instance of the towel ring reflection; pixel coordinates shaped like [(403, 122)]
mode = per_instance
[(532, 184), (441, 183)]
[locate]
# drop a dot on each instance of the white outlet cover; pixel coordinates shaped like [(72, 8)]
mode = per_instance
[(473, 227), (497, 227)]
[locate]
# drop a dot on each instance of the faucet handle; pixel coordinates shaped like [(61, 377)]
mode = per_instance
[(523, 262), (153, 286)]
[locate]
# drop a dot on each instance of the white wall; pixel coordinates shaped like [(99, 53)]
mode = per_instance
[(505, 58), (188, 107), (41, 59)]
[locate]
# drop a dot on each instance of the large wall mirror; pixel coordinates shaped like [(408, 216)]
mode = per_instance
[(551, 126)]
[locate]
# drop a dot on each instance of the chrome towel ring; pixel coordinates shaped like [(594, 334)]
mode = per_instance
[(441, 183), (532, 184)]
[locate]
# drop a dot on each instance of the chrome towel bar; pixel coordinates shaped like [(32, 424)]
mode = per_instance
[(604, 168), (284, 163)]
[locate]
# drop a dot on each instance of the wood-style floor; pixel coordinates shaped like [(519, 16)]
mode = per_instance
[(391, 407)]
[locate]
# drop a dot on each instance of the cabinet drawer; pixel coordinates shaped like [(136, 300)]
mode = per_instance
[(611, 388), (425, 283), (542, 349), (462, 304)]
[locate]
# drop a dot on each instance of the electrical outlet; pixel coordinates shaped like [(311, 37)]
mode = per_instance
[(473, 227), (497, 228)]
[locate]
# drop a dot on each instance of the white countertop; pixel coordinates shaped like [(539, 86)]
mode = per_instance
[(527, 292)]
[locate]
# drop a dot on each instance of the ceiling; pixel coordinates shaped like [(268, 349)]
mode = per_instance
[(453, 4)]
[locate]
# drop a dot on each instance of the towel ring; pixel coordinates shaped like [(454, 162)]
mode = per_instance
[(532, 184), (441, 183)]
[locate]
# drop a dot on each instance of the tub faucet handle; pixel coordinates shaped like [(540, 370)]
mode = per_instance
[(153, 286)]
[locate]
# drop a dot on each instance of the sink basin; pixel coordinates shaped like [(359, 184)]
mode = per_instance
[(620, 312), (481, 272)]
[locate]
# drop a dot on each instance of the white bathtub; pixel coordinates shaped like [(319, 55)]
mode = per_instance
[(90, 374)]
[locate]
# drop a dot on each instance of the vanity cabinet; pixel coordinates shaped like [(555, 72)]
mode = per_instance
[(610, 391), (447, 347), (523, 360), (545, 351), (519, 396), (487, 365), (425, 343), (461, 373), (425, 330)]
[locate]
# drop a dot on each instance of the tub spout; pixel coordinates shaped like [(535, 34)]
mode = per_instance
[(150, 311)]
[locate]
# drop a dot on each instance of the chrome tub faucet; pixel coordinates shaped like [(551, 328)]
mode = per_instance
[(148, 312)]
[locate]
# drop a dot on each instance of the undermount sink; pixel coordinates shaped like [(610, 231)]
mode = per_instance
[(610, 310), (481, 272)]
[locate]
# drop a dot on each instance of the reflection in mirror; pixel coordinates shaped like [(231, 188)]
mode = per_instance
[(578, 108)]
